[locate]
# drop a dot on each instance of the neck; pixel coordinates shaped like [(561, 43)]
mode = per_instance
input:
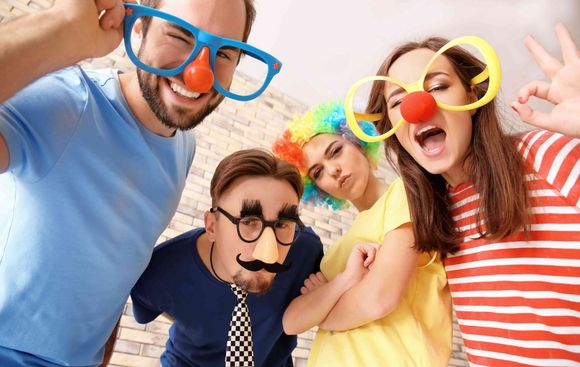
[(456, 175), (140, 107), (211, 263), (374, 190)]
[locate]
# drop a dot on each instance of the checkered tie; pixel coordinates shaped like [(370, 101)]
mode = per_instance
[(239, 350)]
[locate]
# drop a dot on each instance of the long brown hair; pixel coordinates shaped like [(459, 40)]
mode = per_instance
[(492, 162), (252, 162)]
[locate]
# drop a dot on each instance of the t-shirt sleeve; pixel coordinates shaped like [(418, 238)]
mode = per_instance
[(146, 296), (555, 158), (39, 121), (396, 206)]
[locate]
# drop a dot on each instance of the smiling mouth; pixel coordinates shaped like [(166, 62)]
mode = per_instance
[(430, 138), (183, 92)]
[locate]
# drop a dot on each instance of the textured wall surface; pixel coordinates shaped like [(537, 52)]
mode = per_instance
[(233, 126)]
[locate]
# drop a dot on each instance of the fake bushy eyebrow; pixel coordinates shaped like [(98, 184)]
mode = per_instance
[(289, 211), (251, 208)]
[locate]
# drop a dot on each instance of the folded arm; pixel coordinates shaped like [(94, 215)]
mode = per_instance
[(380, 291)]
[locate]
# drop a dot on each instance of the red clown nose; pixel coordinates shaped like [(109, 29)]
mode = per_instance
[(198, 76), (418, 107)]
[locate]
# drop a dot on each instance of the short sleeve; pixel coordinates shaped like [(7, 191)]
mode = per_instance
[(555, 158), (396, 206), (39, 121), (144, 307)]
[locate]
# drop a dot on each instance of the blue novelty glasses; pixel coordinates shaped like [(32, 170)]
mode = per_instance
[(174, 46)]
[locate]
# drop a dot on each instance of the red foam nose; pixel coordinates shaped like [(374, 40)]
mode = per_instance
[(418, 107), (198, 76)]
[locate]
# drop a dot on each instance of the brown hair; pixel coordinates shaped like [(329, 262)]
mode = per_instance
[(492, 162), (250, 16), (252, 162)]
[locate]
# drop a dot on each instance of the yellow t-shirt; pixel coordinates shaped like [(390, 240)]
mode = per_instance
[(418, 332)]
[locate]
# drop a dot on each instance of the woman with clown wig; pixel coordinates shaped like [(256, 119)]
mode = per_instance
[(377, 300)]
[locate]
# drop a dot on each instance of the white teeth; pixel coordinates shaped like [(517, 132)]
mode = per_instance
[(425, 128), (184, 92)]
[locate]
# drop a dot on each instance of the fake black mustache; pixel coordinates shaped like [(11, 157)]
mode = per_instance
[(257, 265)]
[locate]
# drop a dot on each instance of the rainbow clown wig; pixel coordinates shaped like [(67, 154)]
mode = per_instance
[(325, 118)]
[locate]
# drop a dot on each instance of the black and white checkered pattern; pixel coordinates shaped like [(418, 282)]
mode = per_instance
[(239, 349)]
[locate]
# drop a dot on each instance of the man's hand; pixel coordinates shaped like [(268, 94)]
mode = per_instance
[(97, 25), (314, 281)]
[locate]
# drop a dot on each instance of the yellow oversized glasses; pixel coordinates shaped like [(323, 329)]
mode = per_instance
[(418, 105)]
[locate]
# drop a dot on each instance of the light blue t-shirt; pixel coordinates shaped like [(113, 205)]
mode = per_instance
[(87, 193)]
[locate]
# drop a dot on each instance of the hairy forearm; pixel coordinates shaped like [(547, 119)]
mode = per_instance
[(32, 46), (310, 309)]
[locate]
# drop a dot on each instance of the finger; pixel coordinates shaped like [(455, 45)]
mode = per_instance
[(314, 279), (532, 117), (370, 258), (537, 89), (105, 4), (321, 277), (547, 63), (570, 52), (113, 16)]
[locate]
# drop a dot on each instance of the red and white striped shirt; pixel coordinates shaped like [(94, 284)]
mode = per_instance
[(518, 301)]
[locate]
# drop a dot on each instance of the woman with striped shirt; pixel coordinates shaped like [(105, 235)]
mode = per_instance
[(504, 212)]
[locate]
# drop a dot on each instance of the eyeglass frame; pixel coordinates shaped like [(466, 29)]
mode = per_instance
[(265, 223), (202, 39)]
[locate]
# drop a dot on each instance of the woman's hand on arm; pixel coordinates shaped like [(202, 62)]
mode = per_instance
[(563, 90), (319, 295), (381, 289)]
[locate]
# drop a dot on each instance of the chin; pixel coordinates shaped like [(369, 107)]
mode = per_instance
[(254, 283)]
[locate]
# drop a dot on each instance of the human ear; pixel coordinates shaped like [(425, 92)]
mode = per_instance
[(209, 221)]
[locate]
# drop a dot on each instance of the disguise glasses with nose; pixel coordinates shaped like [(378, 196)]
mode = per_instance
[(418, 105), (251, 227), (199, 55)]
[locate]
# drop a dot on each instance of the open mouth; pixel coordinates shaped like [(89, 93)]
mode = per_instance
[(431, 138), (183, 92)]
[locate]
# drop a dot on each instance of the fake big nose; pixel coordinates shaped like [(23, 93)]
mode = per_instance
[(266, 249), (198, 76), (418, 107)]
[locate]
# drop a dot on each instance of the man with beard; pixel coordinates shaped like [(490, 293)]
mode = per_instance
[(253, 245), (94, 163)]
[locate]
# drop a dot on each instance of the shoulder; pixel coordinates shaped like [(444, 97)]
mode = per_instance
[(177, 245), (307, 246), (64, 90), (538, 146)]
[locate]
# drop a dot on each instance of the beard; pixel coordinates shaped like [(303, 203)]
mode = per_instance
[(178, 117), (255, 285)]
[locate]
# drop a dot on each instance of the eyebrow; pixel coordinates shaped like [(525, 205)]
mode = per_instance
[(400, 90), (326, 153), (179, 28), (251, 208), (289, 211)]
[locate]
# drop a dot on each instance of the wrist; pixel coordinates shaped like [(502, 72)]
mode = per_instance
[(347, 280)]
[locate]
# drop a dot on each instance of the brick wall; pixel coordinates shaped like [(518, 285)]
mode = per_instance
[(233, 126)]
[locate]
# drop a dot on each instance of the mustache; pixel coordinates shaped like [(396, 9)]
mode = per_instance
[(257, 265)]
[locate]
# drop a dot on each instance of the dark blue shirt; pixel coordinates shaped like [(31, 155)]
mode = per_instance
[(178, 283)]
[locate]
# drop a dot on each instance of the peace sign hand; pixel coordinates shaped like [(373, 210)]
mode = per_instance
[(563, 91)]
